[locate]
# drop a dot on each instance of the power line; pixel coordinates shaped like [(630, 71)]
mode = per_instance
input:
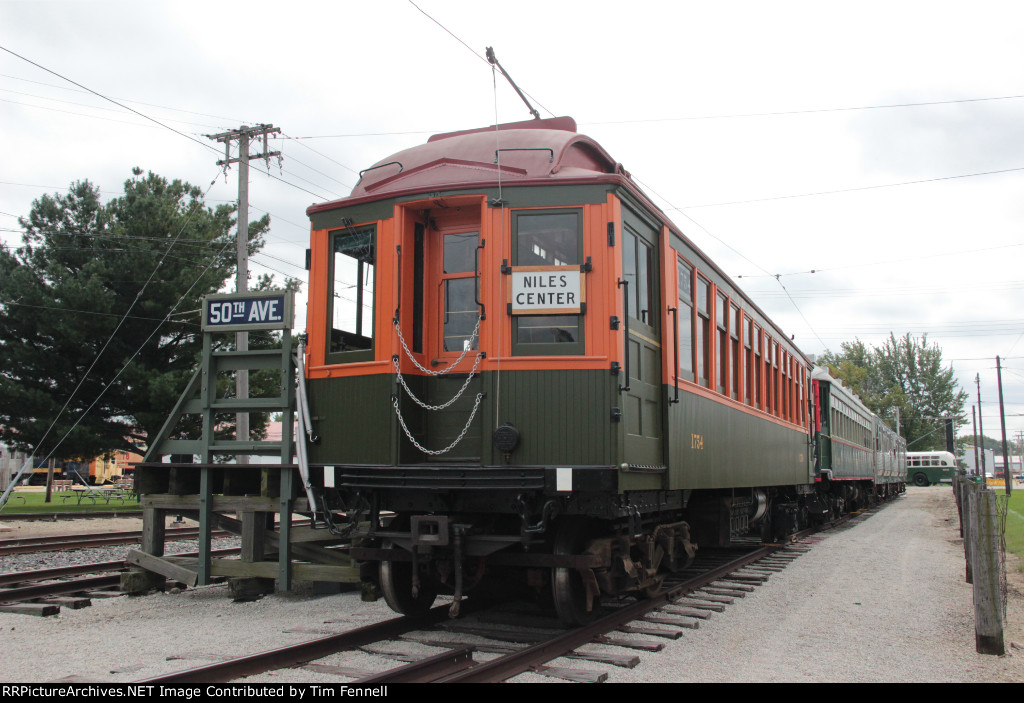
[(453, 35), (916, 258), (730, 116), (854, 190), (91, 107), (137, 102), (147, 117)]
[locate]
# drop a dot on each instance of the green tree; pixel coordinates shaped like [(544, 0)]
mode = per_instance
[(87, 296), (905, 376)]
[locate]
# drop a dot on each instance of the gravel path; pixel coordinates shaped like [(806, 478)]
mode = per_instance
[(882, 599)]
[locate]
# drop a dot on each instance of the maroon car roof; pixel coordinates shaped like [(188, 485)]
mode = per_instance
[(535, 150)]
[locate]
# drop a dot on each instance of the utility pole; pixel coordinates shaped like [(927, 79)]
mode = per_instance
[(1002, 424), (243, 135), (981, 424), (974, 426)]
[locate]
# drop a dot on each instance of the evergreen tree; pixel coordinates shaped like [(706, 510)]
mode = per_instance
[(64, 296)]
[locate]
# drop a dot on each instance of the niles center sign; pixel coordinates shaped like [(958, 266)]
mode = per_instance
[(546, 290)]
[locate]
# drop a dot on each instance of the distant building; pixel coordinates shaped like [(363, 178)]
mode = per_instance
[(10, 463), (968, 458), (1015, 464), (116, 465)]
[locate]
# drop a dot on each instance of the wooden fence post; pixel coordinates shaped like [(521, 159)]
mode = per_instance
[(968, 524), (987, 568)]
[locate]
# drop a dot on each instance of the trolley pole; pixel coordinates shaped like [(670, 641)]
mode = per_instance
[(243, 135)]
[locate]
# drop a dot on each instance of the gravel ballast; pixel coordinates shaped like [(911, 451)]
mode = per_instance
[(882, 599)]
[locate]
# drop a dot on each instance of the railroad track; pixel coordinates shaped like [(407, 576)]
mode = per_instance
[(715, 581), (28, 545), (44, 591)]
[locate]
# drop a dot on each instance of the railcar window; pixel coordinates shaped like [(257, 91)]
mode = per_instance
[(748, 376), (784, 375), (352, 294), (776, 390), (459, 291), (758, 368), (636, 268), (703, 328), (799, 378), (547, 238), (685, 276), (734, 334), (721, 316)]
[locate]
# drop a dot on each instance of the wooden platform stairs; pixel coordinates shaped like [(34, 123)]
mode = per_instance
[(226, 484)]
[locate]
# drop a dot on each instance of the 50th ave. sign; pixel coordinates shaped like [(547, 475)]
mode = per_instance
[(546, 290), (239, 312)]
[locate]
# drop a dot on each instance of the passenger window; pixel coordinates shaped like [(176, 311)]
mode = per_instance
[(721, 319), (685, 313), (703, 328)]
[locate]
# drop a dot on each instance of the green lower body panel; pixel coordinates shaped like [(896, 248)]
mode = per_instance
[(560, 418), (714, 444)]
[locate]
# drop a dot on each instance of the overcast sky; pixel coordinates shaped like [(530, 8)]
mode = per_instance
[(878, 144)]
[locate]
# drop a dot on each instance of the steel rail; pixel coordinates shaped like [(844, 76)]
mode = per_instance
[(52, 543), (504, 668), (23, 593), (78, 515), (303, 652)]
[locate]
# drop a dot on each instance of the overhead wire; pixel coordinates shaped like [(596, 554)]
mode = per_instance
[(741, 255), (471, 50), (205, 145)]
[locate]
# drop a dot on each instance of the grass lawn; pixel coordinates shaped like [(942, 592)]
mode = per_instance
[(1015, 524), (22, 501)]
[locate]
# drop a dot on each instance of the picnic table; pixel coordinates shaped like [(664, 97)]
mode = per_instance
[(122, 489)]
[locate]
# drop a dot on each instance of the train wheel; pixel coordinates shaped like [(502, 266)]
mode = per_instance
[(567, 586), (920, 480), (396, 582)]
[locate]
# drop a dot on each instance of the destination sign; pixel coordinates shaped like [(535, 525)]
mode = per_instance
[(546, 290), (248, 311)]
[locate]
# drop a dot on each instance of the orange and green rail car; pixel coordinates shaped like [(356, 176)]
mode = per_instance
[(518, 355)]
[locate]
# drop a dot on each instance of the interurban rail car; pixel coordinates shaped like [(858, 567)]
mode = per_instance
[(544, 384)]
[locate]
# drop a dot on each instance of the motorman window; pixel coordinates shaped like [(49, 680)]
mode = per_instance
[(547, 238), (353, 261)]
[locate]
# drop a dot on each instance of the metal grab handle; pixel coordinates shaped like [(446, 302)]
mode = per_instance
[(476, 280), (625, 345), (675, 347), (389, 163), (398, 308)]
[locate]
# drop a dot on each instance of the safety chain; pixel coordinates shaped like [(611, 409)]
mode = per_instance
[(398, 413), (401, 380), (465, 350), (426, 406)]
